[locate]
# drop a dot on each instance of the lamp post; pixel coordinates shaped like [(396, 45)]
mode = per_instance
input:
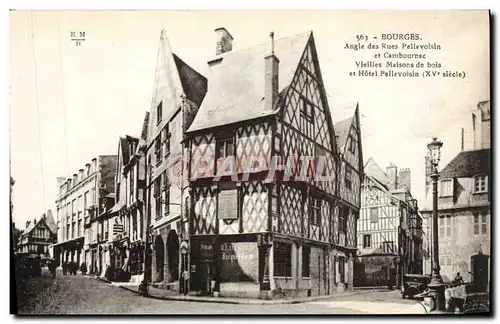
[(436, 286), (144, 287)]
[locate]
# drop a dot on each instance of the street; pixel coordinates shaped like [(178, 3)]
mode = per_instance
[(84, 295)]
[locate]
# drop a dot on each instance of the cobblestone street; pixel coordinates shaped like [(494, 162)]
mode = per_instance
[(84, 295)]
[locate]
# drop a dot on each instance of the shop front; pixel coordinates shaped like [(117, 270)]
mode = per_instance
[(227, 267)]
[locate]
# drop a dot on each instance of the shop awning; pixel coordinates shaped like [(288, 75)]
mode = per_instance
[(73, 242)]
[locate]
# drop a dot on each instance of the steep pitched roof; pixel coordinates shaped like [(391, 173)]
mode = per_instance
[(49, 220), (193, 83), (236, 84), (125, 147), (468, 164), (173, 79), (342, 130), (373, 170)]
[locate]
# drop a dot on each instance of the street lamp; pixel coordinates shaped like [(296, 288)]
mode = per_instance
[(144, 286), (436, 286)]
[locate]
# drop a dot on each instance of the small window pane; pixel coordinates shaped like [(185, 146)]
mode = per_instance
[(483, 229), (483, 218), (476, 229)]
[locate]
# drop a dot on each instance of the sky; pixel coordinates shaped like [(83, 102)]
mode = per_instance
[(69, 104)]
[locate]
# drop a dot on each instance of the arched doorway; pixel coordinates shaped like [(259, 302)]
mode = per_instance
[(173, 255), (160, 257)]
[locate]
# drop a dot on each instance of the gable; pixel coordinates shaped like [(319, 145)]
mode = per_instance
[(167, 89), (305, 105)]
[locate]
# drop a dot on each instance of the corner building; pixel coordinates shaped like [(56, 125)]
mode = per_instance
[(265, 237)]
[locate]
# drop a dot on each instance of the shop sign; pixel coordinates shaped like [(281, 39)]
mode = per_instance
[(239, 262), (206, 252)]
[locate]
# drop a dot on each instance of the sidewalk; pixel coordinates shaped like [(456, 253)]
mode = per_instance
[(173, 295)]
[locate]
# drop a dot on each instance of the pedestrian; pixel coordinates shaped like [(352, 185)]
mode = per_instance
[(65, 267), (83, 268), (52, 267), (458, 279)]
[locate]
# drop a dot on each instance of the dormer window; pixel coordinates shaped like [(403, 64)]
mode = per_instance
[(480, 183), (446, 188), (159, 113)]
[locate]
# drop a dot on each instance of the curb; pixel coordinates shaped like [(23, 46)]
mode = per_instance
[(243, 301)]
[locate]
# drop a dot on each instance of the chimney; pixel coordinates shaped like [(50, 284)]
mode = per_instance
[(392, 175), (224, 41), (75, 179), (34, 221), (404, 179), (271, 77), (27, 224)]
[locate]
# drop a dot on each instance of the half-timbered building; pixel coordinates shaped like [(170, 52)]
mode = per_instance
[(389, 229), (348, 132), (263, 219)]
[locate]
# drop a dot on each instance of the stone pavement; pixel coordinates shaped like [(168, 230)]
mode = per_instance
[(172, 295), (376, 308)]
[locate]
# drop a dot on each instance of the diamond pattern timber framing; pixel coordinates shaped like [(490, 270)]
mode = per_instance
[(253, 140), (291, 210), (254, 209), (203, 146), (205, 207)]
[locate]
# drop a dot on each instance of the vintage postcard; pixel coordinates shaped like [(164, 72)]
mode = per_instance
[(250, 162)]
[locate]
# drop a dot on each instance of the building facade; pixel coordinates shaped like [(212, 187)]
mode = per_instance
[(38, 236), (260, 227), (389, 229), (464, 197), (80, 201), (348, 132), (178, 92), (125, 242)]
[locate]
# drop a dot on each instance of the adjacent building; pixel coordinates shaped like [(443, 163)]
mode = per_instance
[(177, 95), (389, 229), (348, 132), (464, 197), (125, 220), (274, 231), (38, 236), (80, 201)]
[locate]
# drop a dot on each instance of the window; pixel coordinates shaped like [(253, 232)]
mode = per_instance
[(374, 215), (131, 176), (225, 147), (306, 109), (321, 158), (315, 211), (159, 113), (342, 261), (306, 259), (445, 260), (158, 150), (228, 203), (388, 247), (446, 188), (480, 183), (166, 189), (93, 196), (344, 213), (157, 197), (85, 201), (480, 224), (367, 240), (166, 141), (282, 259), (352, 144), (445, 225), (348, 177)]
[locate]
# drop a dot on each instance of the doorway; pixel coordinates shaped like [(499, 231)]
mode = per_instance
[(173, 255), (160, 258)]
